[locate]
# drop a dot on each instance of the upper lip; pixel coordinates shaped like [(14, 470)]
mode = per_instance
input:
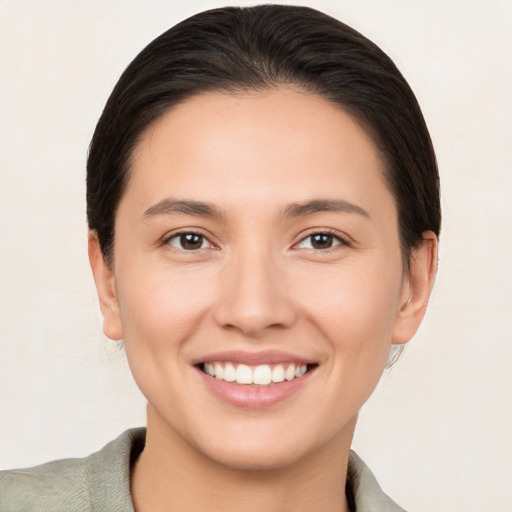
[(254, 358)]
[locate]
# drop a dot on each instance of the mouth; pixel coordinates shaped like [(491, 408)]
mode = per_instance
[(255, 375), (255, 380)]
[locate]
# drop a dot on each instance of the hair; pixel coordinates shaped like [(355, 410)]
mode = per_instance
[(236, 50)]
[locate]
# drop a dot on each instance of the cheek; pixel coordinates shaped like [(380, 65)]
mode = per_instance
[(163, 301), (160, 310), (355, 309), (353, 298)]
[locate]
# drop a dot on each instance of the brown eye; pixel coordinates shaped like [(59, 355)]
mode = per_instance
[(188, 241), (319, 241)]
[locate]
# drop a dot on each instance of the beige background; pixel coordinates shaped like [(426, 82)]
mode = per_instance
[(437, 433)]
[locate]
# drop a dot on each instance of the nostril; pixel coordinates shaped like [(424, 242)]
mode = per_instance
[(254, 322)]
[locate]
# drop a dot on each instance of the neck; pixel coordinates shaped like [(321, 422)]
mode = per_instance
[(171, 475)]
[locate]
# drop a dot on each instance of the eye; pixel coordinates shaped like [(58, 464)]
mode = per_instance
[(319, 241), (188, 241)]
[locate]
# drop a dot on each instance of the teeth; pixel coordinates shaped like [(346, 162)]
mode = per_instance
[(278, 373), (243, 374), (219, 371), (289, 374), (209, 369), (300, 370), (261, 375), (229, 372)]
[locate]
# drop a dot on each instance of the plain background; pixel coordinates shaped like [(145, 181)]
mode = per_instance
[(437, 432)]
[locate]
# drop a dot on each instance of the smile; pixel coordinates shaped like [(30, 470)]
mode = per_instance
[(261, 375), (255, 380)]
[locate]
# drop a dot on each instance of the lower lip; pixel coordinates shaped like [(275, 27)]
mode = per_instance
[(254, 397)]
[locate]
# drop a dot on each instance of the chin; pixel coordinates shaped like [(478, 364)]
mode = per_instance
[(272, 449), (254, 459)]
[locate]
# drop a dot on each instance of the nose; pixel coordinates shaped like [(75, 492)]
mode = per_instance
[(254, 296)]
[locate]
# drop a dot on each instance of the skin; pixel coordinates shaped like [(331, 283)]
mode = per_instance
[(256, 284)]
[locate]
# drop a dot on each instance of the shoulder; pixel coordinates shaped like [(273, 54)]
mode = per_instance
[(49, 486), (100, 481), (364, 490)]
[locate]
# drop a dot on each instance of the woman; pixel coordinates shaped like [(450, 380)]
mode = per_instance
[(263, 205)]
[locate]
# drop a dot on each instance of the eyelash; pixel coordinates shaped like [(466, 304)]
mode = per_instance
[(327, 232), (342, 241), (176, 236)]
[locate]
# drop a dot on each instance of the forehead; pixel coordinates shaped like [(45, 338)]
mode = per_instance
[(281, 145)]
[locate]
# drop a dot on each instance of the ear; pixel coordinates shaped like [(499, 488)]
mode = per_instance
[(105, 286), (417, 286)]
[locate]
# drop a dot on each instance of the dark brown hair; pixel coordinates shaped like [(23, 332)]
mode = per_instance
[(256, 48)]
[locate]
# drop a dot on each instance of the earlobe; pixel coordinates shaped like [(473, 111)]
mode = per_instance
[(105, 287), (417, 288)]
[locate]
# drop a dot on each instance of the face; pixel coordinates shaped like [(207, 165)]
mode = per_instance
[(257, 275)]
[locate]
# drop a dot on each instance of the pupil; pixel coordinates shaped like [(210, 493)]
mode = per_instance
[(191, 241), (322, 241)]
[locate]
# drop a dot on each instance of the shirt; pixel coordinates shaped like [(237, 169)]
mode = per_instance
[(101, 482)]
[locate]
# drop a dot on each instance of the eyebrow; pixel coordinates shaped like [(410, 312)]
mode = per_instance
[(169, 206), (323, 205)]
